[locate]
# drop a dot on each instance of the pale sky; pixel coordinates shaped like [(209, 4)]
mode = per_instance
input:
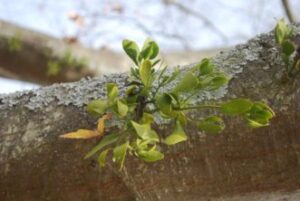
[(239, 20)]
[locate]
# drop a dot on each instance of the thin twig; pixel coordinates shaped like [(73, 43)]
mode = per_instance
[(198, 15), (288, 11)]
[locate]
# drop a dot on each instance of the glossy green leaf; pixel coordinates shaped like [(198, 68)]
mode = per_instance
[(187, 83), (145, 132), (112, 92), (122, 108), (145, 73), (259, 115), (106, 140), (131, 49), (213, 124), (150, 156), (164, 104), (102, 158), (236, 106), (119, 153), (154, 50), (256, 124), (178, 135), (217, 82), (287, 48), (149, 51), (206, 66), (97, 107)]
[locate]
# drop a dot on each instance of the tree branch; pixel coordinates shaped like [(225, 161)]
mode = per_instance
[(288, 11), (27, 55), (240, 164)]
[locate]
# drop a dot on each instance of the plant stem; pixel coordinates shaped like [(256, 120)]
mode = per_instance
[(199, 107)]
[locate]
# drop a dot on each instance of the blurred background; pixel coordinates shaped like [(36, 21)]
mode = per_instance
[(46, 41)]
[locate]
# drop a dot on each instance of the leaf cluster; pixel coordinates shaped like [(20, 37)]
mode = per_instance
[(138, 113), (283, 34)]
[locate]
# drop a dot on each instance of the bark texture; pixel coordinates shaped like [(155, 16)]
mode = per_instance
[(240, 164)]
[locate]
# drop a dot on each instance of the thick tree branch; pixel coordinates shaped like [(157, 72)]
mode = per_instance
[(240, 164)]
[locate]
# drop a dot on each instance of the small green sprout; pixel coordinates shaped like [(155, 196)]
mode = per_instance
[(283, 34), (136, 115)]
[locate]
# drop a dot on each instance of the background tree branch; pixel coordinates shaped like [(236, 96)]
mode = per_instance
[(288, 11), (27, 55)]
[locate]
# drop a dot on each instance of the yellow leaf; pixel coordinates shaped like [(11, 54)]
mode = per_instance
[(81, 134), (101, 121), (87, 134)]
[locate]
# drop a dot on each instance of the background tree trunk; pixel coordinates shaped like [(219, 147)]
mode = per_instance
[(240, 164)]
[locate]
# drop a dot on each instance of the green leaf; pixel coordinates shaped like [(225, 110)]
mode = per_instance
[(147, 118), (256, 124), (134, 72), (287, 48), (187, 83), (141, 144), (214, 82), (145, 132), (164, 103), (178, 135), (259, 115), (150, 156), (206, 66), (107, 140), (112, 92), (97, 107), (149, 51), (122, 108), (280, 31), (213, 124), (145, 73), (102, 158), (154, 50), (236, 106), (155, 62), (119, 153), (131, 49)]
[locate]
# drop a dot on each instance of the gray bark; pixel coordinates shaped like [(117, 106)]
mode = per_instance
[(241, 164)]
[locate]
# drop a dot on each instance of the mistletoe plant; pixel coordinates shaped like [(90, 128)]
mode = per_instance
[(155, 96), (283, 34)]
